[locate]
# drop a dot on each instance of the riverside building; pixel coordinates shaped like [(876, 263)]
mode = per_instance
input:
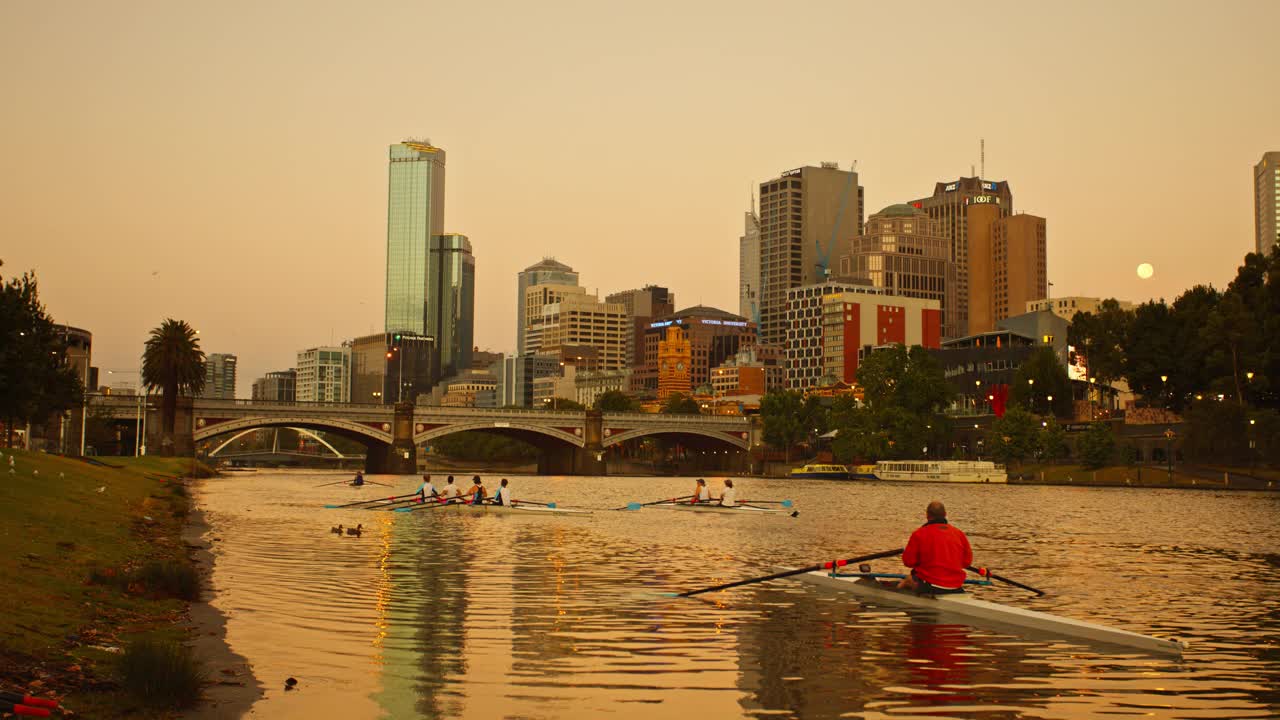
[(1266, 202)]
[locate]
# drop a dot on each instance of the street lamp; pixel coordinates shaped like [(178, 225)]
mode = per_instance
[(139, 447), (977, 385), (1030, 394)]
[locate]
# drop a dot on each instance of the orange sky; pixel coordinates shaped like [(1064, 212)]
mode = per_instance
[(225, 163)]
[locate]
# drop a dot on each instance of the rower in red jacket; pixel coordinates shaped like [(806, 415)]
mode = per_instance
[(937, 554)]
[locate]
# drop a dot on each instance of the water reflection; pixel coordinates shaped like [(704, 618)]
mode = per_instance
[(441, 615)]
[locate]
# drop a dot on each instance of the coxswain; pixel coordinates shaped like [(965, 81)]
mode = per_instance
[(503, 495), (358, 480), (701, 493), (476, 495), (729, 496), (937, 554)]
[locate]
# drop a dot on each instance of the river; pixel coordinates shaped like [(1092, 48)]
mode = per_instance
[(441, 615)]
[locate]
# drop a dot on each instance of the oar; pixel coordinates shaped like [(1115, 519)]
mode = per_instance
[(829, 565), (19, 699), (430, 505), (20, 709), (637, 506), (366, 502), (987, 573), (783, 503), (531, 502), (337, 482), (374, 482)]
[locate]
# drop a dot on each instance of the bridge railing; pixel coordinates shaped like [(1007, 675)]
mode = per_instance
[(676, 419)]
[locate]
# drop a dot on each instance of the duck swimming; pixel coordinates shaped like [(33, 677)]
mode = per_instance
[(336, 530), (355, 531)]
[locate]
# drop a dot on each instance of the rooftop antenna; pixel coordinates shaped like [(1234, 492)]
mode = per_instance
[(972, 171), (982, 157)]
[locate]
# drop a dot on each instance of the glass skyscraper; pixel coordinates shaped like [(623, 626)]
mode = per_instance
[(415, 215), (451, 303)]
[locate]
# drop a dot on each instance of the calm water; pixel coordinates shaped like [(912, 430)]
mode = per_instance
[(446, 616)]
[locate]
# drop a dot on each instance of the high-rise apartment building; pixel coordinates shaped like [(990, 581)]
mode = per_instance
[(323, 375), (547, 272), (276, 386), (749, 267), (806, 215), (949, 207), (519, 373), (901, 252), (714, 336), (219, 376), (415, 215), (642, 307), (451, 304), (578, 319), (537, 298), (1266, 202)]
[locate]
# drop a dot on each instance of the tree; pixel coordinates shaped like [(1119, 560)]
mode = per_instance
[(1013, 438), (560, 404), (1050, 378), (172, 361), (912, 379), (616, 401), (1150, 350), (1053, 441), (1216, 432), (1232, 331), (35, 381), (1101, 336), (783, 424), (1097, 446), (680, 404)]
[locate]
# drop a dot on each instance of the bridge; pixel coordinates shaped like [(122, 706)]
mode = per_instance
[(570, 442)]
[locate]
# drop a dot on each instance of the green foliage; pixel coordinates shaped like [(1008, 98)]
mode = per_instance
[(679, 404), (161, 673), (560, 404), (1014, 437), (890, 433), (913, 380), (479, 445), (783, 425), (1101, 337), (1264, 431), (35, 380), (172, 361), (1050, 378), (1053, 441), (170, 579), (617, 401), (1096, 446), (1216, 432)]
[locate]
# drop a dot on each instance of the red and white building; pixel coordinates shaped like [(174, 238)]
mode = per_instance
[(832, 326)]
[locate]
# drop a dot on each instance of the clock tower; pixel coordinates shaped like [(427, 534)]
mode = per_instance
[(674, 358)]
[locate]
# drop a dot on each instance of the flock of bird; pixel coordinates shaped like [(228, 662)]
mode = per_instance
[(352, 531)]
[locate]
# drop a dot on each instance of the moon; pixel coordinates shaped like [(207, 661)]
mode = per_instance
[(1145, 271)]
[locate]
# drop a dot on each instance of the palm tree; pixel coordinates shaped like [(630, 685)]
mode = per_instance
[(173, 362)]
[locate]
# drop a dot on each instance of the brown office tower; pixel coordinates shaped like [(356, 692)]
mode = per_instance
[(806, 215), (948, 208), (901, 252), (642, 307), (1007, 265)]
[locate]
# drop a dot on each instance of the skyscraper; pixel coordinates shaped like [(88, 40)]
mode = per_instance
[(949, 208), (806, 215), (749, 267), (1266, 202), (323, 375), (642, 307), (548, 271), (219, 376), (415, 215), (451, 305)]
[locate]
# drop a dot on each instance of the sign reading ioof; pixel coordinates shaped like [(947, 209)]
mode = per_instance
[(983, 200)]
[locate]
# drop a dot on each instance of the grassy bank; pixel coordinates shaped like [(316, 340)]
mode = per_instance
[(93, 562), (1136, 476)]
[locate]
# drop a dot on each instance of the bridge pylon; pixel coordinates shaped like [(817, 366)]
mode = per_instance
[(401, 458)]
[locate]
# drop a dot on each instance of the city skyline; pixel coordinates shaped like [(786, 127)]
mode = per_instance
[(273, 240)]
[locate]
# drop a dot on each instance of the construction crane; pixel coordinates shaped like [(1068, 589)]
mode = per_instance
[(823, 265)]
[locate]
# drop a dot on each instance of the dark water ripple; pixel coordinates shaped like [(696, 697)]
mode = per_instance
[(440, 615)]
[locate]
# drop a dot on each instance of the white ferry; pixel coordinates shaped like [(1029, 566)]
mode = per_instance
[(943, 471)]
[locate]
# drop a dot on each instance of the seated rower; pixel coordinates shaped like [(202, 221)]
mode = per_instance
[(427, 490), (476, 495), (358, 480), (701, 493), (729, 496), (503, 495), (937, 554)]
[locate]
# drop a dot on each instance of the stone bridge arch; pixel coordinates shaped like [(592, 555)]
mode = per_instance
[(730, 438), (360, 432)]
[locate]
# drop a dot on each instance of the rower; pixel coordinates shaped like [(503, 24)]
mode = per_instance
[(476, 494), (503, 495), (450, 490), (701, 493), (937, 554), (729, 496), (427, 489), (358, 480)]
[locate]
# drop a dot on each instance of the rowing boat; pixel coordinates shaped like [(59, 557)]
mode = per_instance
[(516, 509), (866, 585), (713, 507)]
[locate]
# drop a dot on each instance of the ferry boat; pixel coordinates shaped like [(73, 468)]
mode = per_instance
[(823, 472), (863, 472), (943, 471)]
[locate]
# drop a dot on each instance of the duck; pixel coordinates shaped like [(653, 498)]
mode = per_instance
[(336, 530), (359, 528)]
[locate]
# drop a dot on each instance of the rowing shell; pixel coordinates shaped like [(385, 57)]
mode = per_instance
[(499, 510), (712, 507), (993, 613)]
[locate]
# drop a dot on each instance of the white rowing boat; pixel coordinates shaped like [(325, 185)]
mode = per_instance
[(716, 508), (517, 509), (989, 613)]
